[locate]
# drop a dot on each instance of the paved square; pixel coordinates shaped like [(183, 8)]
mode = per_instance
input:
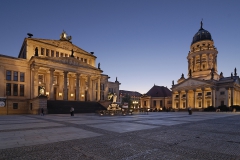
[(158, 135)]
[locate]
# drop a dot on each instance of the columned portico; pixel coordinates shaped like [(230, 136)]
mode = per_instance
[(98, 89), (203, 97)]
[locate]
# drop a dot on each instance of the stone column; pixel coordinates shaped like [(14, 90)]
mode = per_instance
[(65, 92), (213, 97), (207, 58), (98, 90), (232, 96), (193, 65), (77, 86), (194, 98), (89, 88), (227, 88), (203, 97), (186, 98), (179, 96), (200, 62), (173, 102), (51, 87), (35, 81)]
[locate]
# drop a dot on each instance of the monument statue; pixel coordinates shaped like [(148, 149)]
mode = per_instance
[(114, 98), (99, 66), (235, 71), (72, 53), (172, 82)]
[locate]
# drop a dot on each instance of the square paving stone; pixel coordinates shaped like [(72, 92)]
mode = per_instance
[(123, 127)]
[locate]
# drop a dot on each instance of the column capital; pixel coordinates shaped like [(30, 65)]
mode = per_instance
[(51, 69), (65, 72)]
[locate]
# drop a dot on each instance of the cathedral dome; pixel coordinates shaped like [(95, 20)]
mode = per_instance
[(202, 34)]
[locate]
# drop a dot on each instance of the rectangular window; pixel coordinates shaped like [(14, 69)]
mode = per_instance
[(15, 76), (199, 94), (15, 89), (177, 105), (21, 90), (184, 104), (57, 54), (22, 77), (61, 54), (54, 80), (184, 95), (81, 59), (145, 103), (85, 60), (77, 57), (66, 55), (8, 75), (102, 96), (47, 52), (8, 89), (42, 51), (199, 104), (15, 105), (222, 93), (40, 79), (154, 103), (176, 96), (208, 93), (102, 87), (169, 102), (52, 53), (208, 103), (161, 104)]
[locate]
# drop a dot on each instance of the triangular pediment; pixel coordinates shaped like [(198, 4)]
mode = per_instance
[(189, 83), (62, 44)]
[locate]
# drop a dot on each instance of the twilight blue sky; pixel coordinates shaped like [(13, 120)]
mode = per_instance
[(142, 42)]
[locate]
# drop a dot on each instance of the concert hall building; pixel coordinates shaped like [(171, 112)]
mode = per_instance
[(51, 70)]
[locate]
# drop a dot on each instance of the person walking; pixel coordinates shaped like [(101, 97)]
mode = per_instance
[(189, 110), (72, 111), (42, 112)]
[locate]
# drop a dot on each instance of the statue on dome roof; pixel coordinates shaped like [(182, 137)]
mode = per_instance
[(235, 72)]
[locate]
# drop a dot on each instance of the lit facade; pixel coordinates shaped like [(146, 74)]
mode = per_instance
[(56, 69), (204, 87)]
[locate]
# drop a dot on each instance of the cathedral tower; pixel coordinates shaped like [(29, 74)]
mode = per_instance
[(202, 57)]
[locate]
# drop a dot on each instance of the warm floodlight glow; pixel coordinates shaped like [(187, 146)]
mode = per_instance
[(60, 94), (47, 93), (72, 95), (82, 95)]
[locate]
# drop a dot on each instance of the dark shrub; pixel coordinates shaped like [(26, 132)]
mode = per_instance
[(223, 108), (235, 107), (210, 108)]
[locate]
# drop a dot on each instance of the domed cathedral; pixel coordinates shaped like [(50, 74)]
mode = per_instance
[(203, 86), (202, 57), (53, 75)]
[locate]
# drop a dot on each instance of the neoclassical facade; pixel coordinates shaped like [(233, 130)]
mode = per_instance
[(204, 86), (157, 98), (57, 69)]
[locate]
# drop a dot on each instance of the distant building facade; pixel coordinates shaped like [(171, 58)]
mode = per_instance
[(203, 86), (135, 97), (56, 69), (158, 97)]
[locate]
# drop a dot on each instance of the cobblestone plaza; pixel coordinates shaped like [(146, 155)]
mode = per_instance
[(158, 135)]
